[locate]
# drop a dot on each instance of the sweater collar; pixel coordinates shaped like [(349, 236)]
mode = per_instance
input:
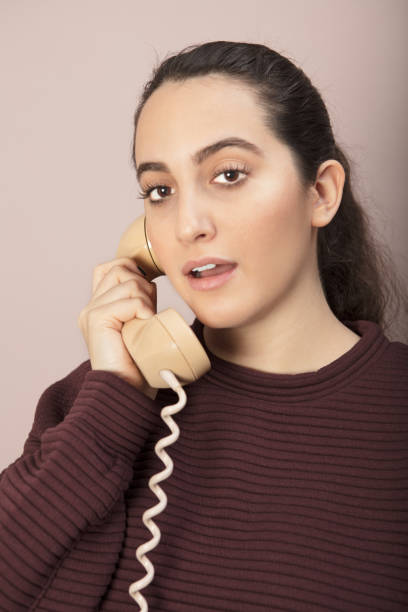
[(292, 387)]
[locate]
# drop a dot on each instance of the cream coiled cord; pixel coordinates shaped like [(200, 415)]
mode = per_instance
[(167, 411)]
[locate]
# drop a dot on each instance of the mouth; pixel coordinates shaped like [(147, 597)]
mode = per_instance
[(206, 266), (210, 276)]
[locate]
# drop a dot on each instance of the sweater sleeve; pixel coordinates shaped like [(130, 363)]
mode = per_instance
[(76, 464)]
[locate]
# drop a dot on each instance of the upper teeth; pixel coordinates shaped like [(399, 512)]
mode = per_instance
[(206, 267)]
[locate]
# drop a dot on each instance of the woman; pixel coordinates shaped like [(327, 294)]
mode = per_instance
[(289, 485)]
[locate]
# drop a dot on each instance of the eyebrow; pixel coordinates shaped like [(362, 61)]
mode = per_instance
[(203, 154)]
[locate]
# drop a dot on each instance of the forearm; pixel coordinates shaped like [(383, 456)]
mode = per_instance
[(82, 467)]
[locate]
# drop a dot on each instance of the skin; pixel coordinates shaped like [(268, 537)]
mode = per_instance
[(272, 314)]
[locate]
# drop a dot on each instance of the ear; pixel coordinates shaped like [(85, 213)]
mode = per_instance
[(328, 191)]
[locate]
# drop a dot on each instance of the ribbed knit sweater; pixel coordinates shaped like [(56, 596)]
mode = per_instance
[(289, 491)]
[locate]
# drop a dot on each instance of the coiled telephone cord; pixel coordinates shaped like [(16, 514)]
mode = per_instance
[(167, 411)]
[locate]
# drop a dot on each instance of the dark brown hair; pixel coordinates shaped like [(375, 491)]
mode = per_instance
[(357, 275)]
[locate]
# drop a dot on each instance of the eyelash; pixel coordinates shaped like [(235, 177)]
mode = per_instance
[(143, 195)]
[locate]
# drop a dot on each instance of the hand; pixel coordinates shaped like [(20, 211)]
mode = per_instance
[(120, 293)]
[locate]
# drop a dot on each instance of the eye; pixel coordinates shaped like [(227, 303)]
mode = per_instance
[(150, 189), (231, 174)]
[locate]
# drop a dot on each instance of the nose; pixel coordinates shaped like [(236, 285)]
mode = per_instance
[(194, 222)]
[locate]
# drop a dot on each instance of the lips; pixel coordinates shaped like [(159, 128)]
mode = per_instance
[(186, 269)]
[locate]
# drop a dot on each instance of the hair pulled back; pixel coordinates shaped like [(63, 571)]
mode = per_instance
[(358, 278)]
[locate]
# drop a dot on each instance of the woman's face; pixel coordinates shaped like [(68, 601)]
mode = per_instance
[(245, 205)]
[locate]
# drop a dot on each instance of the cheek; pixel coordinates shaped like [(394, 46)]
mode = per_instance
[(277, 248), (277, 241)]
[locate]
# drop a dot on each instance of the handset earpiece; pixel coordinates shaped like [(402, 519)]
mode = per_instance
[(165, 341), (135, 243)]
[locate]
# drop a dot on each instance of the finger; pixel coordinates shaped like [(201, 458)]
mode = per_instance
[(121, 274), (115, 314), (101, 270), (126, 289)]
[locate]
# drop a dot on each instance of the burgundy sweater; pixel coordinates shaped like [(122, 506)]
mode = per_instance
[(289, 492)]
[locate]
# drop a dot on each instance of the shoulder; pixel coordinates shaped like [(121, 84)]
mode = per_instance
[(388, 376), (377, 351), (395, 356)]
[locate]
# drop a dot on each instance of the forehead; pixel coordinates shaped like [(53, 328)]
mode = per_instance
[(197, 110)]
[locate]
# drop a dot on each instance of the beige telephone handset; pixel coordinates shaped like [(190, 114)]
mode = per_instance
[(168, 354), (165, 341)]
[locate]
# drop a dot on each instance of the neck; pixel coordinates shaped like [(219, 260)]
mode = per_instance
[(290, 339)]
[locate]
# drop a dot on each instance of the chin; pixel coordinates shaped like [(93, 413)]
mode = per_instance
[(221, 317)]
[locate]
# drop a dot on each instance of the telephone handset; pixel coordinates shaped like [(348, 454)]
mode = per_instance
[(168, 354), (165, 341)]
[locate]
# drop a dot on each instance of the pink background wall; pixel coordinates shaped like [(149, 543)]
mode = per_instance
[(71, 72)]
